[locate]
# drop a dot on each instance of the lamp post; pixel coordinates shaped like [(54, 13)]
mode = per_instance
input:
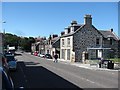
[(4, 37)]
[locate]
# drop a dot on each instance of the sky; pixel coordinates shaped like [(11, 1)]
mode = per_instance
[(33, 19)]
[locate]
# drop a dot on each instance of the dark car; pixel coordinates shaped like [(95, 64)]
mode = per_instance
[(7, 83), (8, 53), (12, 62), (48, 56), (4, 62)]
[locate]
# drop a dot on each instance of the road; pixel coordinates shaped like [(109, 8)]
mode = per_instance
[(36, 72)]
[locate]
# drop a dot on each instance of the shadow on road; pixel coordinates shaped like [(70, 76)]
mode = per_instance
[(30, 63), (38, 77)]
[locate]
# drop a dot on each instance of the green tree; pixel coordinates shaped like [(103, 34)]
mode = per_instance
[(14, 40)]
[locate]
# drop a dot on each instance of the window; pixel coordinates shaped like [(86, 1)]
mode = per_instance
[(63, 54), (63, 42), (68, 41), (97, 41), (68, 54)]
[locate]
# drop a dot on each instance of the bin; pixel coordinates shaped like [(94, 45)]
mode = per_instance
[(110, 65)]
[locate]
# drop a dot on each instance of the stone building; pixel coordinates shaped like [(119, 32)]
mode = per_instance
[(52, 45), (66, 42), (39, 45), (119, 49), (89, 42)]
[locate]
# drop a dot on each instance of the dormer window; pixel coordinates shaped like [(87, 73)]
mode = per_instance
[(110, 38), (72, 29)]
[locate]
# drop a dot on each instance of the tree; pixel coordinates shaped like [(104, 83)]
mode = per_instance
[(14, 40)]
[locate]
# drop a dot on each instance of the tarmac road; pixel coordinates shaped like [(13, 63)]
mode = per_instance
[(36, 72)]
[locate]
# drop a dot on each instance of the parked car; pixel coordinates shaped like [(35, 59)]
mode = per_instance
[(41, 55), (35, 53), (4, 62), (12, 62), (7, 83), (8, 53), (48, 56)]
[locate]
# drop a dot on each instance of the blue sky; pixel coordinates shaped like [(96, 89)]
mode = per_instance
[(45, 18)]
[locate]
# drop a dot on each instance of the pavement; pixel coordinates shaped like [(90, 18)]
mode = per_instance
[(89, 66)]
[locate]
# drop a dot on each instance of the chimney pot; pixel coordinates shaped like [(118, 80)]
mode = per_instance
[(62, 33), (111, 30), (73, 22)]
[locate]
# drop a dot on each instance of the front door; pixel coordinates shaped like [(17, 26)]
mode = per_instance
[(99, 53)]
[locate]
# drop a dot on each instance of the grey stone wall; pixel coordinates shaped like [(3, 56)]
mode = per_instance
[(83, 39), (113, 53), (56, 44), (86, 38)]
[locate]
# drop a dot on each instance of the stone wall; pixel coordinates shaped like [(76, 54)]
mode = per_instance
[(83, 39), (86, 38)]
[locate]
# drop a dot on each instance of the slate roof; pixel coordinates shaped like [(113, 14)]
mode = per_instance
[(107, 34), (70, 34), (56, 39)]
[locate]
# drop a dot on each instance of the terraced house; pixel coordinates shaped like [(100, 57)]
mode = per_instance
[(85, 41), (66, 42)]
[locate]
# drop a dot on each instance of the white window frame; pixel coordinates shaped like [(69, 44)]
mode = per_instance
[(68, 41)]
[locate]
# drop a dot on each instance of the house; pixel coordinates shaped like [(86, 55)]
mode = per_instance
[(52, 45), (39, 45), (66, 42), (119, 49), (89, 42), (56, 46)]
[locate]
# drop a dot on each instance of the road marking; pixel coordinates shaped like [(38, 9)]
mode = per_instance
[(90, 81)]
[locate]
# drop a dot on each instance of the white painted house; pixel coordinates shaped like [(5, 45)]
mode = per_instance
[(66, 42)]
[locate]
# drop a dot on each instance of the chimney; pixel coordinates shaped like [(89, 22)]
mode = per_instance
[(73, 22), (54, 35), (88, 20), (111, 30), (72, 27), (62, 33), (66, 30)]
